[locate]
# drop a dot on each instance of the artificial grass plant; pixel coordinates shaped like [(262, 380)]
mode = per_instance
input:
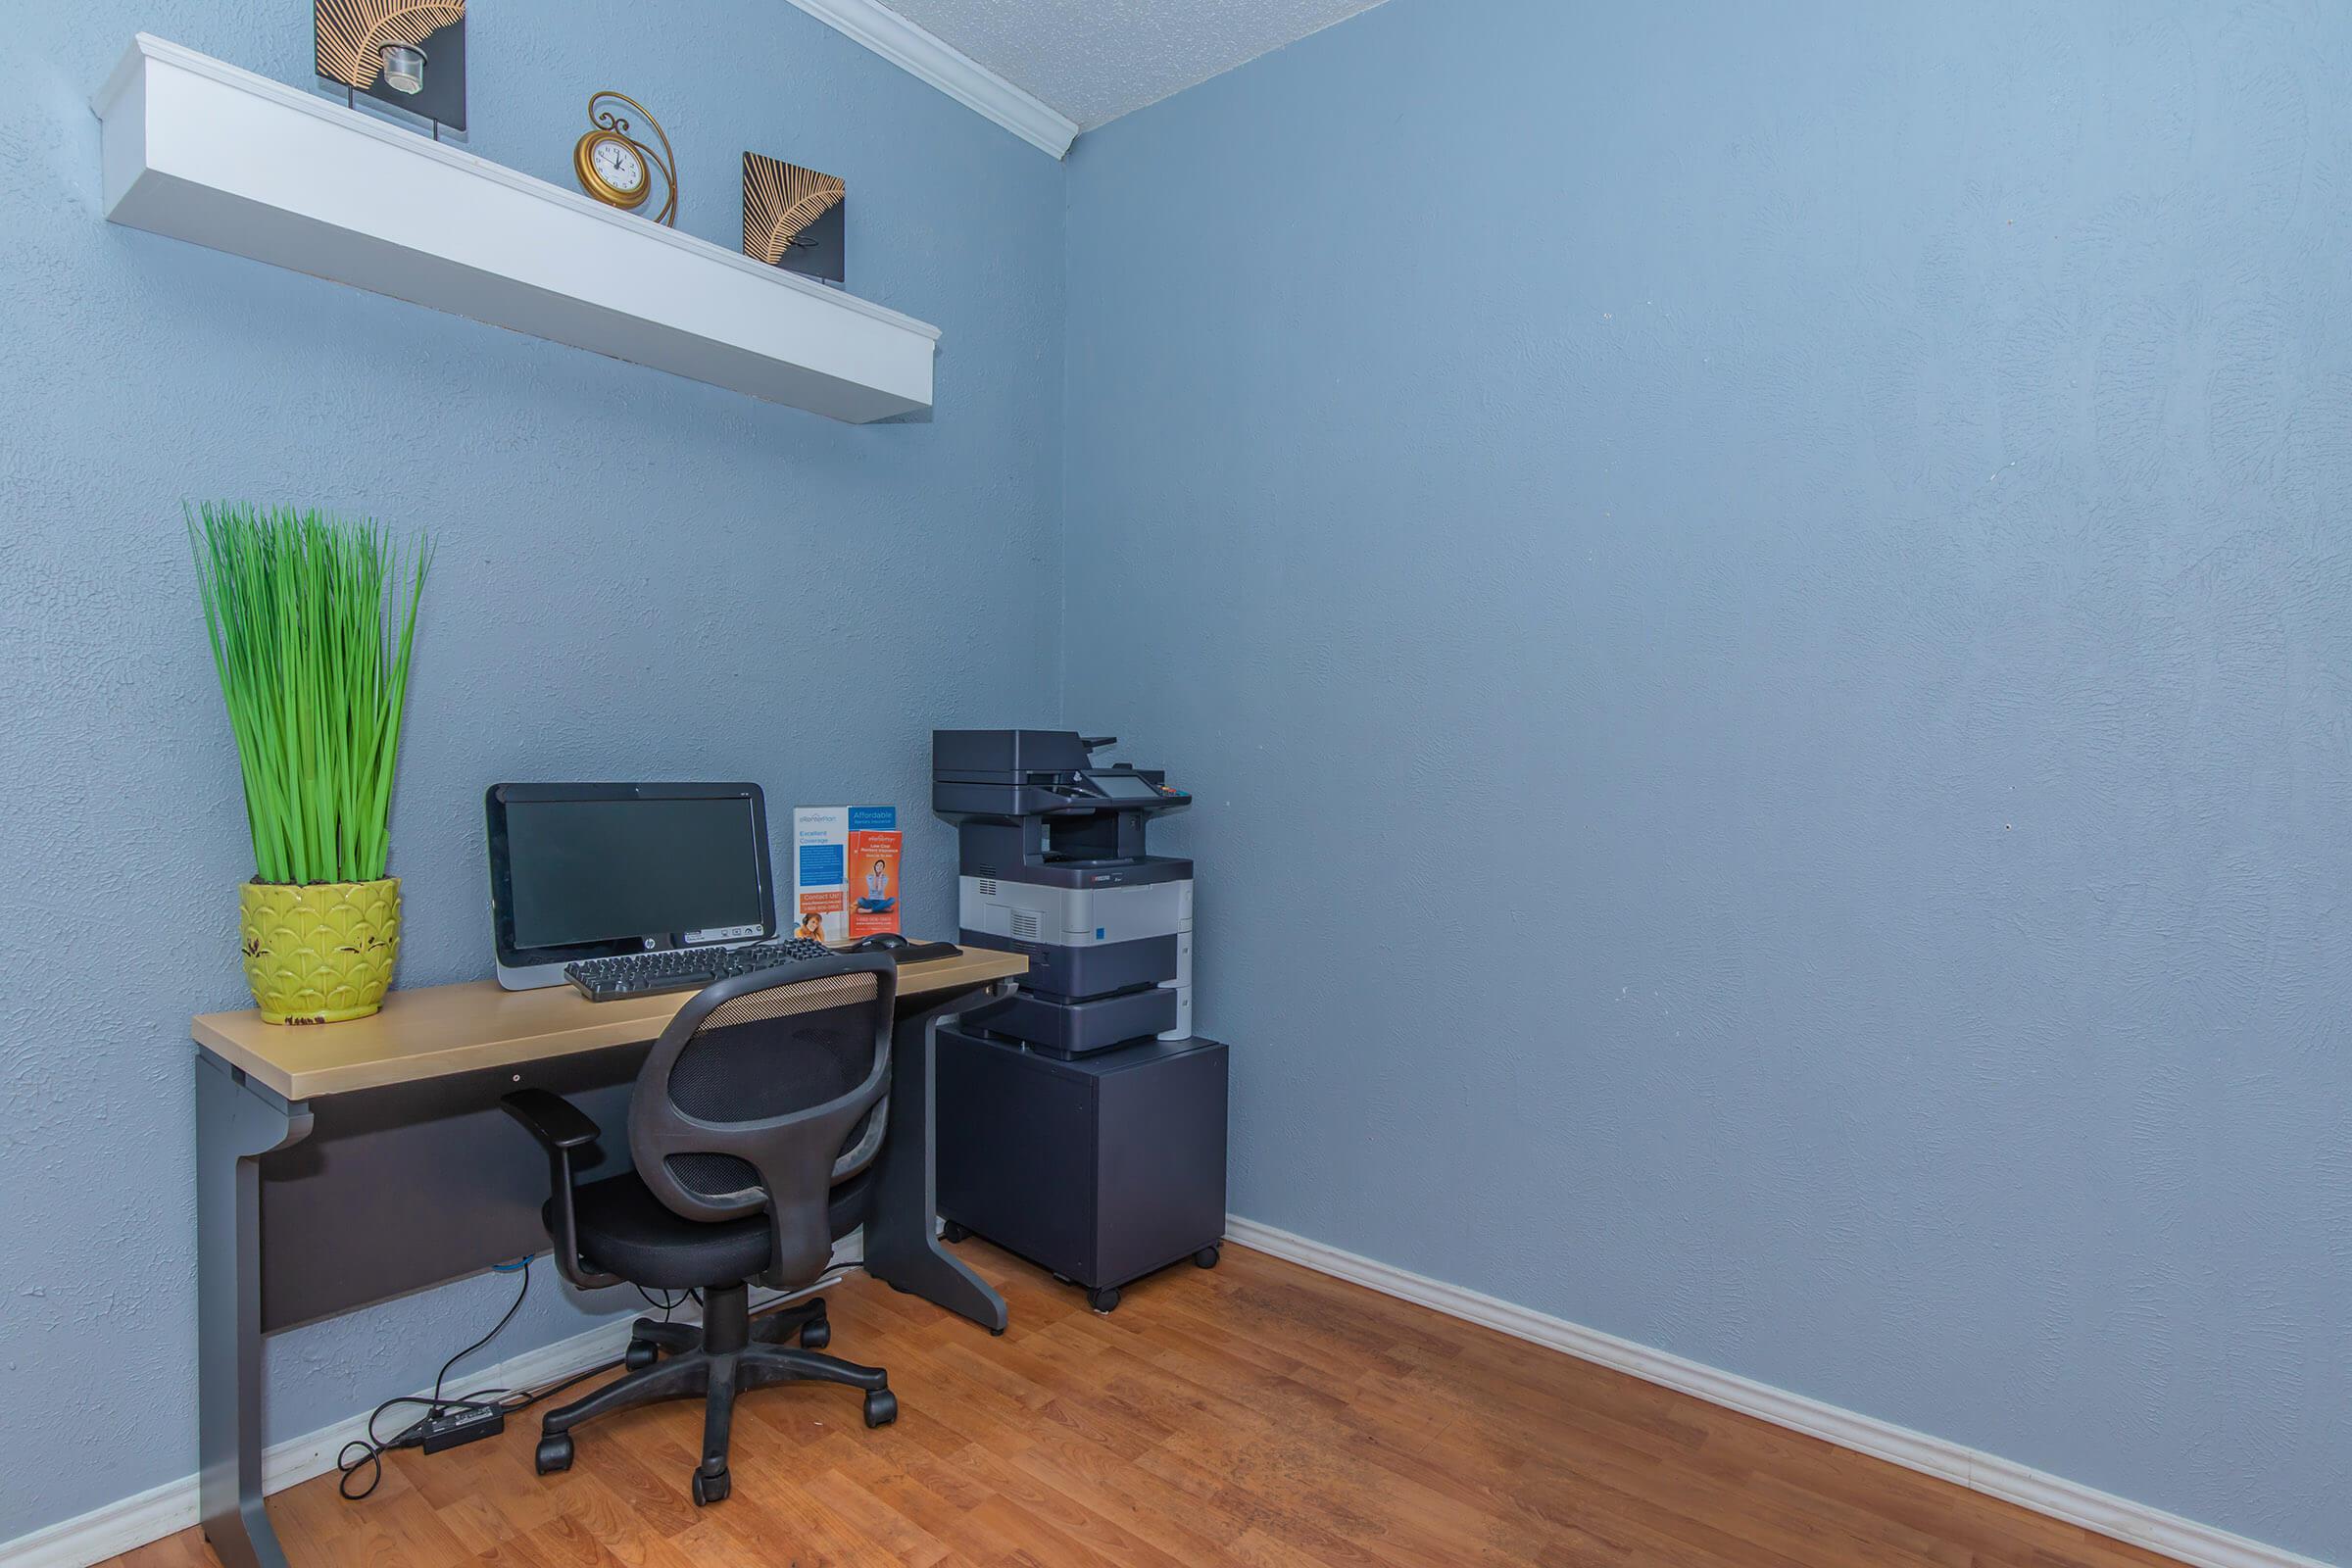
[(312, 619)]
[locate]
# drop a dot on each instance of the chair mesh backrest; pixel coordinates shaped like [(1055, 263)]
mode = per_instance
[(770, 1054)]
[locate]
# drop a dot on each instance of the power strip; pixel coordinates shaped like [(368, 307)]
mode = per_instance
[(456, 1429)]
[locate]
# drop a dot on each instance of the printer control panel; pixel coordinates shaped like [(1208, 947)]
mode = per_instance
[(1120, 784)]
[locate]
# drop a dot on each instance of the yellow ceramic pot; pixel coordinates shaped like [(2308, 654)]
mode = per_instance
[(320, 952)]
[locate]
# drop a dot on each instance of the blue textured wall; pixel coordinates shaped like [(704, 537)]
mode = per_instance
[(638, 576), (1820, 524), (1755, 596)]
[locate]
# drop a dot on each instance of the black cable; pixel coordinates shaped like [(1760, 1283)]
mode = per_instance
[(525, 1269), (372, 1448), (666, 1306), (523, 1401)]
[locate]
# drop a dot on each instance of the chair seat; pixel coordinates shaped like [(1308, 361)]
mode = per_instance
[(625, 1230)]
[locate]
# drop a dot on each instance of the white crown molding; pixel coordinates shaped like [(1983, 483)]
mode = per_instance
[(2044, 1494), (948, 69)]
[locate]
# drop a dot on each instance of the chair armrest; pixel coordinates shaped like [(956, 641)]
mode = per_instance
[(561, 1127), (554, 1121)]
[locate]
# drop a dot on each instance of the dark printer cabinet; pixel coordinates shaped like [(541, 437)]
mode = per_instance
[(1102, 1169)]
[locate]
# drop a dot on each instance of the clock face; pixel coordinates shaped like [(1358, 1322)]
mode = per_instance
[(618, 164)]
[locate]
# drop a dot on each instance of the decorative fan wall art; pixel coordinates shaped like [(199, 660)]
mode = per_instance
[(410, 54), (793, 218)]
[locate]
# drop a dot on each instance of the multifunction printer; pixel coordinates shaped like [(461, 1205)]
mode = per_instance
[(1053, 866)]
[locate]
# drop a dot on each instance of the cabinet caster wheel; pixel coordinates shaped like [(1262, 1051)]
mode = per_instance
[(1206, 1258), (554, 1453), (816, 1334), (1102, 1297), (709, 1489), (641, 1354), (881, 1408), (950, 1232)]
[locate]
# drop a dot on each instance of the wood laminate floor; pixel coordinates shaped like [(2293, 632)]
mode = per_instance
[(1258, 1414)]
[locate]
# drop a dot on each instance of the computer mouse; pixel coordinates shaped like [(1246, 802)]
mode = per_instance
[(880, 942)]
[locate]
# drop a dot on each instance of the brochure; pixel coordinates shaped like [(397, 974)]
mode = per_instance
[(845, 871), (820, 842), (873, 853)]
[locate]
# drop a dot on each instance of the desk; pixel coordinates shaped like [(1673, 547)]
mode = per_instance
[(341, 1164)]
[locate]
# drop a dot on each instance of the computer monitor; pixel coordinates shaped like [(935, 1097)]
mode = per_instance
[(596, 870)]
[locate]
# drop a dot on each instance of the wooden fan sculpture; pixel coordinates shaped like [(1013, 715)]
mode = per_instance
[(779, 200), (353, 33)]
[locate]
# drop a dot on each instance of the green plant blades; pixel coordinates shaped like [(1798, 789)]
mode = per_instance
[(312, 622)]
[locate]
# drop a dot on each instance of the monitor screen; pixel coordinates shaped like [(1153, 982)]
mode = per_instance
[(1125, 786), (605, 871)]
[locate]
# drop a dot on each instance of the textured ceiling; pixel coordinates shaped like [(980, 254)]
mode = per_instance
[(1096, 60)]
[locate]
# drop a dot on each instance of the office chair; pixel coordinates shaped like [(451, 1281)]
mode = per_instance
[(751, 1125)]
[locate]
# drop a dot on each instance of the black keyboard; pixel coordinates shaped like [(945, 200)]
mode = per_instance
[(647, 974)]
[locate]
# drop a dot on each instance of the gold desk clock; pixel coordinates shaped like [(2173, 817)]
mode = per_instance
[(618, 168)]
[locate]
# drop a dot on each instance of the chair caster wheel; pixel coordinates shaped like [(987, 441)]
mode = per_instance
[(881, 1408), (554, 1453), (709, 1489), (1206, 1258), (816, 1334), (950, 1232), (641, 1354), (1102, 1297)]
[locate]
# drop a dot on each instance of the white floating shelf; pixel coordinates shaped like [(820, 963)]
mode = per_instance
[(203, 151)]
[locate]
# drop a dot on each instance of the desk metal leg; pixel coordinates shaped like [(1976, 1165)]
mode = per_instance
[(236, 1123), (901, 1232)]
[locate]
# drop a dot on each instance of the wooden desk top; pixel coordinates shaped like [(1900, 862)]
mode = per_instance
[(438, 1030)]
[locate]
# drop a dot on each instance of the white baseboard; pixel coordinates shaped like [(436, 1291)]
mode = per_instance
[(2054, 1495), (133, 1522), (160, 1511)]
